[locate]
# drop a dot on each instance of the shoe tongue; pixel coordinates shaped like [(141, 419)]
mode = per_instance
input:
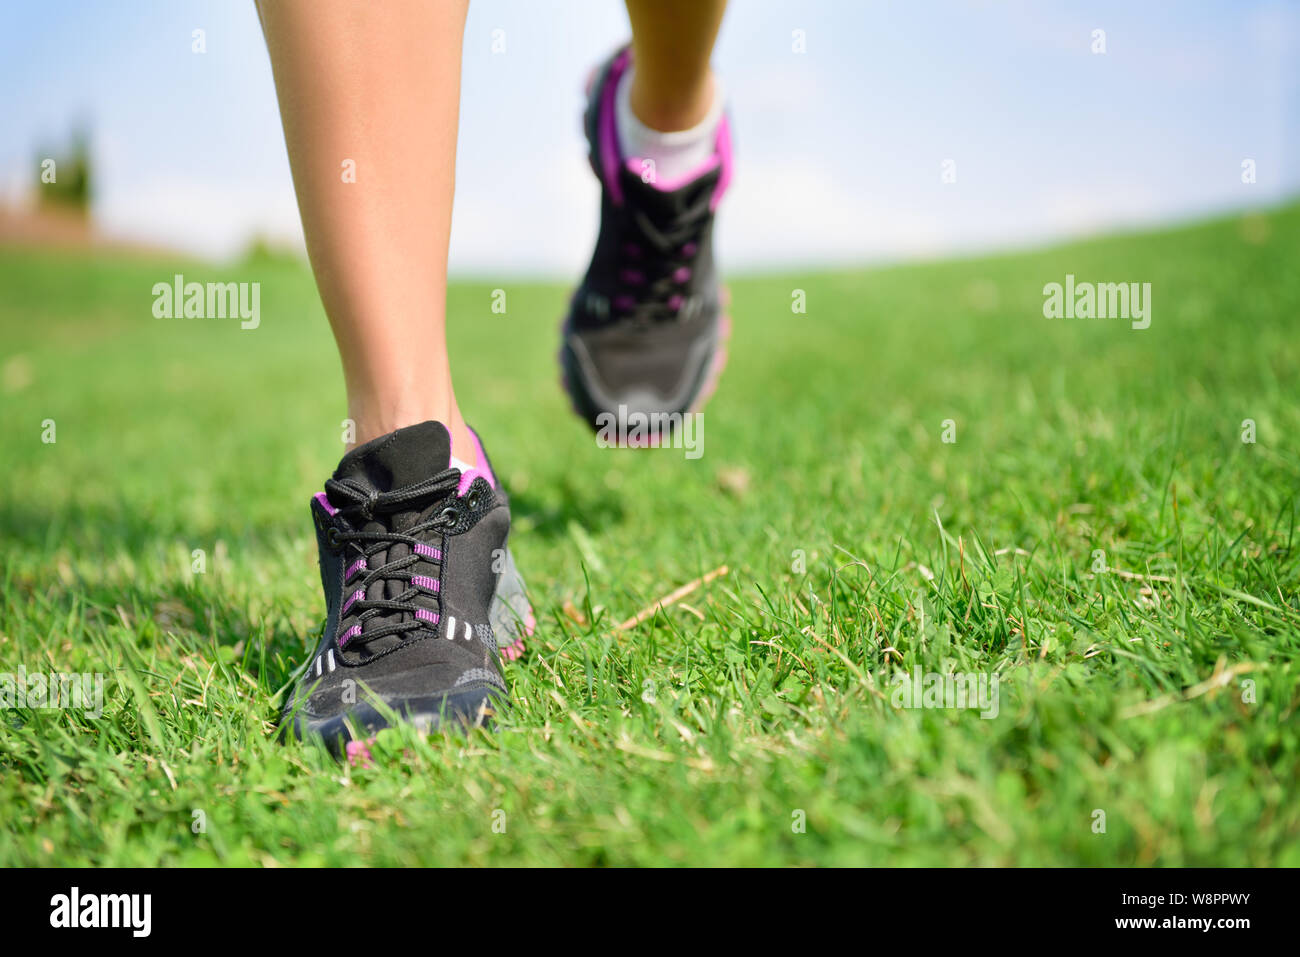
[(390, 462), (664, 208), (398, 459)]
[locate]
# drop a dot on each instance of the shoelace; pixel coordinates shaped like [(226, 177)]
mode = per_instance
[(367, 504), (648, 299)]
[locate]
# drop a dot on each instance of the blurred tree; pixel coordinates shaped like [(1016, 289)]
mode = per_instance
[(262, 250), (65, 176)]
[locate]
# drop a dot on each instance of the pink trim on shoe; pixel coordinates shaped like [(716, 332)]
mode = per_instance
[(355, 597), (323, 500), (515, 650), (468, 476), (721, 158), (606, 132), (348, 636), (482, 468), (482, 458), (633, 166), (724, 156)]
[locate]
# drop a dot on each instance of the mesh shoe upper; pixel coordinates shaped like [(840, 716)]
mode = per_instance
[(408, 549)]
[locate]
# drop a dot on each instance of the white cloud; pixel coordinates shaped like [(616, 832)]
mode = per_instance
[(214, 220)]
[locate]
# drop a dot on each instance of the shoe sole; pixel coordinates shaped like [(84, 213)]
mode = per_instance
[(457, 710), (709, 384), (511, 614)]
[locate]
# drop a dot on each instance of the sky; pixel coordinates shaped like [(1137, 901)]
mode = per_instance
[(841, 142)]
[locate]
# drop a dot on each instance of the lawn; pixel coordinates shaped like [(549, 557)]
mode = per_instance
[(921, 474)]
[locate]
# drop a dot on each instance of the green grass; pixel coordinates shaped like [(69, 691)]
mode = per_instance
[(772, 686)]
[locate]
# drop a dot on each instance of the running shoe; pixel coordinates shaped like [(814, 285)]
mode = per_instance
[(645, 333), (419, 586)]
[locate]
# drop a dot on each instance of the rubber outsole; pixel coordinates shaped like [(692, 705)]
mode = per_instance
[(708, 385), (457, 710)]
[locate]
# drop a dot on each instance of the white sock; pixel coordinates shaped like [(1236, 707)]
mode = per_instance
[(676, 154)]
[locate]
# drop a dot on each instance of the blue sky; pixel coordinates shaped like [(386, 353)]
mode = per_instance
[(839, 149)]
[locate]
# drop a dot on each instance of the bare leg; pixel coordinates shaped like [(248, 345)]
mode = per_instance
[(377, 84), (672, 40)]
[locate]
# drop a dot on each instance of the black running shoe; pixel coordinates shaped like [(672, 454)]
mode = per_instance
[(412, 553), (645, 332)]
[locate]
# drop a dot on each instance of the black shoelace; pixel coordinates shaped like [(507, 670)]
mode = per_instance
[(646, 299), (363, 505)]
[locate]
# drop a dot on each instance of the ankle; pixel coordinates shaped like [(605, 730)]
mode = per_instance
[(672, 155), (667, 109), (463, 446)]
